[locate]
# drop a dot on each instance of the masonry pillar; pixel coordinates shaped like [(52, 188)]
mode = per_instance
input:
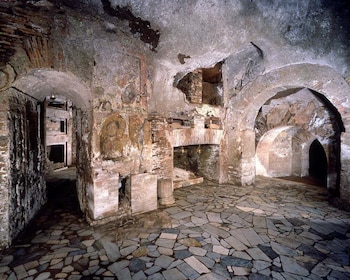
[(162, 150), (248, 157), (4, 192), (345, 167), (165, 192)]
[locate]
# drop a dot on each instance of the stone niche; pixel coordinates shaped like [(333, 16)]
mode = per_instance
[(203, 86)]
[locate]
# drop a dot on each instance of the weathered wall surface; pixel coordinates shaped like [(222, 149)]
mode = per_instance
[(120, 121), (4, 168), (282, 32), (27, 187)]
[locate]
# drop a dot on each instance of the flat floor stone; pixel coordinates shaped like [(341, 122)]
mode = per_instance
[(196, 265)]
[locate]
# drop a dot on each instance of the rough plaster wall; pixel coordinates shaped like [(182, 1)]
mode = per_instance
[(4, 159), (208, 162), (26, 181), (280, 159), (211, 31), (119, 89)]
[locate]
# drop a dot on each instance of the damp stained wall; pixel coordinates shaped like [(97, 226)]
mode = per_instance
[(27, 187)]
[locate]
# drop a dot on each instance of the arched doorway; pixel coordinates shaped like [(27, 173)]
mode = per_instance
[(318, 163), (27, 170), (245, 112)]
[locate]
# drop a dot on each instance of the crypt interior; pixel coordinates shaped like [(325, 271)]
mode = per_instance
[(142, 98)]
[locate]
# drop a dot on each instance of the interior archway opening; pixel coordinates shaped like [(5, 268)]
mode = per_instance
[(49, 164), (289, 130), (59, 118)]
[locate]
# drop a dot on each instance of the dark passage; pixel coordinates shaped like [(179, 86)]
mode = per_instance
[(62, 201), (62, 195), (318, 163)]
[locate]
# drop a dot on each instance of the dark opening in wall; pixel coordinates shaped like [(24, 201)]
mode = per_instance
[(123, 187), (187, 157), (57, 103), (198, 160), (318, 163), (203, 85), (56, 153), (62, 126), (124, 206)]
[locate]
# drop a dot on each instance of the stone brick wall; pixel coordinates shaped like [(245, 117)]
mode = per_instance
[(27, 188), (162, 150)]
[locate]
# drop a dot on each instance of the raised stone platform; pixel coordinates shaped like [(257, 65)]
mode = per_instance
[(187, 182), (184, 178)]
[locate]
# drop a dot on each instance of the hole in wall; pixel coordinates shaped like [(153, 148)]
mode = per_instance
[(56, 153), (124, 190), (194, 163), (203, 85)]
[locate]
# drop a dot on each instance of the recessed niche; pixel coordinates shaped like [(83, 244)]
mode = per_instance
[(203, 86)]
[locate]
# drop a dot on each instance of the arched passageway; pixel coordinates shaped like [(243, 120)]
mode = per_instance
[(288, 127), (318, 163), (28, 166), (326, 114)]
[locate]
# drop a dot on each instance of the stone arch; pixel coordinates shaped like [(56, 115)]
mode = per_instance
[(40, 83), (318, 78)]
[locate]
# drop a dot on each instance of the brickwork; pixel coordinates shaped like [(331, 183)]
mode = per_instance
[(162, 149)]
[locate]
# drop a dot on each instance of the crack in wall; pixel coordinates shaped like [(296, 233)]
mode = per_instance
[(136, 24)]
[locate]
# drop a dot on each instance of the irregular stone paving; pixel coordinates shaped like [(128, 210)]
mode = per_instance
[(273, 230)]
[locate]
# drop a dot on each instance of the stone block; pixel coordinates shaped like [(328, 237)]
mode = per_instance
[(143, 193)]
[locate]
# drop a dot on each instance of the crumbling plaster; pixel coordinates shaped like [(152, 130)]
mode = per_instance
[(282, 36)]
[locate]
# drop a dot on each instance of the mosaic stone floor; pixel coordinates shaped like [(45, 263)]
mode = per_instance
[(276, 229)]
